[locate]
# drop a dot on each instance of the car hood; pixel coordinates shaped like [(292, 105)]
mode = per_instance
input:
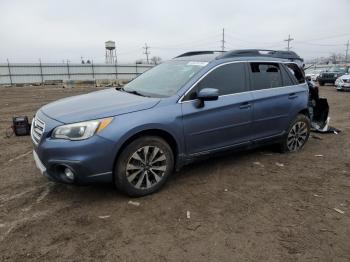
[(345, 77), (95, 105)]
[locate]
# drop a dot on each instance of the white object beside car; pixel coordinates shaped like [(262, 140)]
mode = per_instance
[(313, 74), (343, 82)]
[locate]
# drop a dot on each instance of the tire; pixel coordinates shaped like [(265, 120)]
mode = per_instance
[(321, 83), (297, 135), (143, 166)]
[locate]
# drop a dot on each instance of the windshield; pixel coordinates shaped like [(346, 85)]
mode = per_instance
[(165, 79), (337, 69), (313, 71)]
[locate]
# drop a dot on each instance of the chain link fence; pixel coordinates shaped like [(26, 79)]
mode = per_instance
[(41, 73)]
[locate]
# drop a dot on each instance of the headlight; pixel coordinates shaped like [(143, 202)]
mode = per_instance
[(82, 130), (335, 75)]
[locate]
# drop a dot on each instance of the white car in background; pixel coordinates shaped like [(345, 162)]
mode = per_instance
[(313, 74), (343, 82)]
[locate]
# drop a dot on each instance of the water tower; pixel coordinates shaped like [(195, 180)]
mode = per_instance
[(111, 54)]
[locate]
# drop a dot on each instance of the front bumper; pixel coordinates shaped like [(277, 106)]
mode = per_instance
[(91, 160), (38, 163), (327, 80), (342, 85)]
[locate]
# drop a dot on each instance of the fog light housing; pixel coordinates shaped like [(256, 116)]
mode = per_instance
[(69, 173)]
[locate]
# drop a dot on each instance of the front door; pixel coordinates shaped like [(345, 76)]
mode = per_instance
[(222, 123)]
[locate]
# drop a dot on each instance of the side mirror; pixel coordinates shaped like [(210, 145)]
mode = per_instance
[(207, 94)]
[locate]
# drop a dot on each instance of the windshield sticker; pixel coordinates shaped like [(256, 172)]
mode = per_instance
[(197, 63)]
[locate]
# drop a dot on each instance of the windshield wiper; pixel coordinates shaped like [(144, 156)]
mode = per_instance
[(134, 92)]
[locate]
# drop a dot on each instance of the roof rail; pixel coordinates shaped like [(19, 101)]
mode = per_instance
[(192, 53), (290, 55)]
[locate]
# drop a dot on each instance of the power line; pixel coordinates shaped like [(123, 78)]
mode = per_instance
[(193, 42), (328, 37), (146, 47), (288, 40)]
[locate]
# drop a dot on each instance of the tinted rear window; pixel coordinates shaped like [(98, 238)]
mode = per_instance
[(265, 75)]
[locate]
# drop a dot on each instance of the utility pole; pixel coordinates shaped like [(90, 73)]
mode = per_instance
[(347, 51), (223, 40), (289, 40), (146, 47)]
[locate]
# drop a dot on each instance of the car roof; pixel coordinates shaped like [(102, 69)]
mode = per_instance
[(241, 55)]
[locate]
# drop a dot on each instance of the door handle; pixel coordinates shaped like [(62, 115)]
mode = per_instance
[(245, 105), (292, 96)]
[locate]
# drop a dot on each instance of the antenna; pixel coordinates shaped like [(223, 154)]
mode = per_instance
[(223, 40), (288, 40), (146, 47)]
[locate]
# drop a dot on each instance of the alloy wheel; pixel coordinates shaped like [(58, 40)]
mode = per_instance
[(297, 136), (146, 167)]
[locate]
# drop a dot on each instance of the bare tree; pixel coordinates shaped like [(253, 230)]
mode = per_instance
[(336, 58), (156, 60), (139, 61)]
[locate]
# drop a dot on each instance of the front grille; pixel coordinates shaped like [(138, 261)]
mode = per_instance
[(37, 130), (327, 75)]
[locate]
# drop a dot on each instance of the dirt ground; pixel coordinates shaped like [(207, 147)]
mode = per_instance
[(243, 207)]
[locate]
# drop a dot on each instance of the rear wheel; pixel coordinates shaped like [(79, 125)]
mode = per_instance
[(297, 135), (144, 166)]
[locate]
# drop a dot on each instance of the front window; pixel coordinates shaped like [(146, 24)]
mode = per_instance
[(228, 79), (165, 79)]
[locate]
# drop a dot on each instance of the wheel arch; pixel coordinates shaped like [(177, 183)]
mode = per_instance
[(168, 137), (304, 112)]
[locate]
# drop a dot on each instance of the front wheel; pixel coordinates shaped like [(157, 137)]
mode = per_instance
[(297, 135), (321, 83), (144, 166)]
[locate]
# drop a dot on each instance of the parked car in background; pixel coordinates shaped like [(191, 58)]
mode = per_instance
[(194, 105), (312, 74), (343, 83), (329, 76)]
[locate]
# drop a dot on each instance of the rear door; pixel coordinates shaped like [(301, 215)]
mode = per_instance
[(221, 123), (272, 99)]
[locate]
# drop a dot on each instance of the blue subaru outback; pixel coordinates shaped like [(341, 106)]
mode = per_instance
[(196, 104)]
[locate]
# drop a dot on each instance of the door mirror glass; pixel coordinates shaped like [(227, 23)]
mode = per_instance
[(208, 94)]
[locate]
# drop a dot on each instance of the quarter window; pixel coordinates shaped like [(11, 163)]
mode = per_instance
[(265, 75), (287, 79), (228, 79), (296, 73)]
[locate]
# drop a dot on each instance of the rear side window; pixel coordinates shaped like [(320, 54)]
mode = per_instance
[(228, 79), (296, 73), (265, 75)]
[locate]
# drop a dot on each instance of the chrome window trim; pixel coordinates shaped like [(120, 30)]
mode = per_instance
[(234, 62)]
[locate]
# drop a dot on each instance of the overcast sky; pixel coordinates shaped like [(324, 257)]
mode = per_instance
[(68, 29)]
